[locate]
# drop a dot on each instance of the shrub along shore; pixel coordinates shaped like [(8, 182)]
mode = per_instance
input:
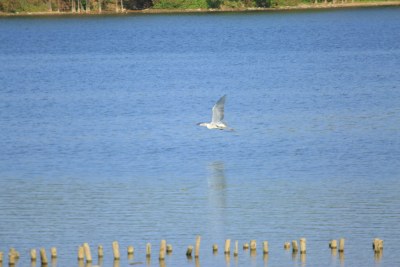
[(94, 7)]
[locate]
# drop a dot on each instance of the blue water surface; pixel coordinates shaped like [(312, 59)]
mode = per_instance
[(99, 142)]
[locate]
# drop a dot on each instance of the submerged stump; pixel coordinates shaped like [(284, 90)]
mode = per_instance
[(227, 249), (189, 251)]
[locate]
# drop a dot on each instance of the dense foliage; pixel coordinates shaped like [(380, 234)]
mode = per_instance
[(118, 5), (71, 5)]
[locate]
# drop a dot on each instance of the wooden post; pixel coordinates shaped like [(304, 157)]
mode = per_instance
[(227, 249), (246, 246), (1, 257), (33, 255), (377, 245), (131, 250), (148, 250), (236, 251), (14, 252), (169, 248), (333, 244), (215, 248), (88, 254), (11, 258), (197, 247), (253, 245), (286, 245), (295, 247), (100, 252), (302, 245), (265, 247), (53, 252), (163, 248), (189, 251), (81, 253), (341, 245), (43, 257), (116, 253)]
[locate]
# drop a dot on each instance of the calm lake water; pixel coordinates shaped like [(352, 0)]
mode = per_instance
[(99, 140)]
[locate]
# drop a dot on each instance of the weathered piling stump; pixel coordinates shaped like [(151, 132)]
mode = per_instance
[(295, 247), (246, 246), (148, 250), (53, 252), (13, 256), (377, 245), (81, 253), (11, 259), (227, 249), (100, 251), (131, 250), (265, 247), (115, 247), (88, 254), (215, 248), (43, 256), (253, 245), (333, 244), (341, 245), (236, 250), (302, 245), (286, 245), (197, 247), (169, 249), (1, 256), (189, 251), (163, 249), (14, 252)]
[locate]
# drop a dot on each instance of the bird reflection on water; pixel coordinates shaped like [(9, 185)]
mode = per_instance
[(217, 198)]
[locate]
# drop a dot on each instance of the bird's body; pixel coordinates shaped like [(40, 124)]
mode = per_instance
[(217, 117)]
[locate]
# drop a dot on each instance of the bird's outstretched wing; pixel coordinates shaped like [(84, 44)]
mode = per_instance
[(218, 110)]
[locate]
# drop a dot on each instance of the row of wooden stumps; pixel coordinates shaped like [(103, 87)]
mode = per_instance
[(84, 252), (13, 256)]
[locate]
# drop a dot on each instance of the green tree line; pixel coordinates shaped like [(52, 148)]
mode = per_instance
[(79, 6), (74, 6)]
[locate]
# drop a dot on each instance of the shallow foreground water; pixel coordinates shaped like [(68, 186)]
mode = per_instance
[(99, 140)]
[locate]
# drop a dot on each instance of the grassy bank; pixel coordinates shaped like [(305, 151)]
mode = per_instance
[(54, 7)]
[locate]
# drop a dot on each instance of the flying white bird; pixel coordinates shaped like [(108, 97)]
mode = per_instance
[(217, 117)]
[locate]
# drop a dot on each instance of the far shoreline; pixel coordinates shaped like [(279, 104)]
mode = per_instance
[(318, 6)]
